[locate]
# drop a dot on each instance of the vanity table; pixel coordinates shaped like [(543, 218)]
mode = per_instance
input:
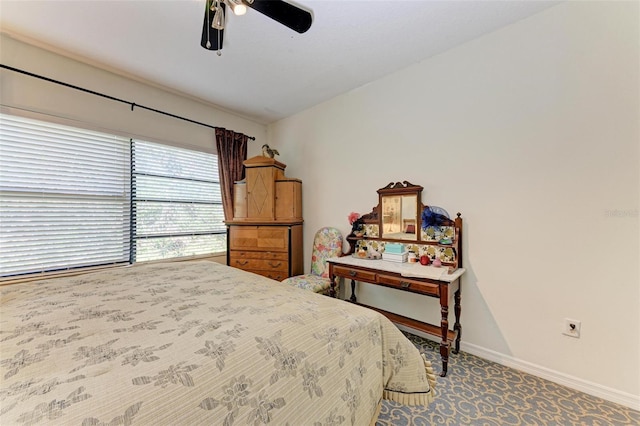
[(411, 277), (401, 218)]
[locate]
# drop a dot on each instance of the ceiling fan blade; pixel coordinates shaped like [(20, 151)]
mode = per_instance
[(211, 38), (287, 14)]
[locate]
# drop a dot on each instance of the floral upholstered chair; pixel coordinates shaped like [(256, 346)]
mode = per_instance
[(327, 243)]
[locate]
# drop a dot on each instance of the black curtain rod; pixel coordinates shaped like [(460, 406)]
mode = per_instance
[(132, 104)]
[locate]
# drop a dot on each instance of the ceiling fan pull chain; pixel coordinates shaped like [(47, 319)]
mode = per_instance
[(208, 23), (218, 52)]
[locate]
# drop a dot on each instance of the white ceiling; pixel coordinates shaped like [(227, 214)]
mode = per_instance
[(266, 71)]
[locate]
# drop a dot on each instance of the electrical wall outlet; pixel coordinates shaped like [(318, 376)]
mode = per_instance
[(571, 328)]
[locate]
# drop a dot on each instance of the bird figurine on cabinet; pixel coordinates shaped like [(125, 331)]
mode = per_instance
[(269, 152)]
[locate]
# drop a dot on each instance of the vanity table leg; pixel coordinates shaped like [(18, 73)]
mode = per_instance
[(353, 292), (444, 327), (456, 326), (332, 282)]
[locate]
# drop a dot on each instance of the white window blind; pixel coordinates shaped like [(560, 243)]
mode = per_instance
[(177, 203), (64, 197)]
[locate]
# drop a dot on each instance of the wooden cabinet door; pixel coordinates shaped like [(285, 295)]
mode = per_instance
[(261, 193), (289, 199), (239, 200)]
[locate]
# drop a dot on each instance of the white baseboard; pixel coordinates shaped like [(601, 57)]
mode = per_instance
[(613, 395)]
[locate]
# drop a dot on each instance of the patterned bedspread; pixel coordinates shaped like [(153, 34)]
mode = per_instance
[(196, 343)]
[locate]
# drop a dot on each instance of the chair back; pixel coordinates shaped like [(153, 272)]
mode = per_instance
[(327, 243)]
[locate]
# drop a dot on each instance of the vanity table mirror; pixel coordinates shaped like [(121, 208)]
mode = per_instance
[(399, 213)]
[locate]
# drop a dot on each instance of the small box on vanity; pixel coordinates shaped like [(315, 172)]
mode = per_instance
[(395, 248), (395, 257)]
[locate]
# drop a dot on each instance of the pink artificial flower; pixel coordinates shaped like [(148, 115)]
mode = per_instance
[(353, 216)]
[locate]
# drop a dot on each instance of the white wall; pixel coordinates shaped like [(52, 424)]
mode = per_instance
[(27, 93), (531, 132)]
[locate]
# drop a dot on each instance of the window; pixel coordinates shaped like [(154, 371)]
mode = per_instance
[(72, 198), (177, 202), (64, 197)]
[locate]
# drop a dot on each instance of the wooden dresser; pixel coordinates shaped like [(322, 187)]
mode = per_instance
[(265, 235)]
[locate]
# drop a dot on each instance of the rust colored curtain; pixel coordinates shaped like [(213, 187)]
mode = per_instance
[(232, 151)]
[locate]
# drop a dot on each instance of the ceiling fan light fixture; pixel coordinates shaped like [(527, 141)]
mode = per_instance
[(237, 6), (218, 18), (281, 11)]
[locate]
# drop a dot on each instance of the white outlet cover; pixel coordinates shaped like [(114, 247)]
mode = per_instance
[(571, 331)]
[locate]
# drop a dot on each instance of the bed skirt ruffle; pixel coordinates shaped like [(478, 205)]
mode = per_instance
[(418, 398)]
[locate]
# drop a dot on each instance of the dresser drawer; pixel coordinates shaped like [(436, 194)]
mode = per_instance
[(274, 275), (259, 264), (354, 274), (408, 284), (271, 238), (262, 255)]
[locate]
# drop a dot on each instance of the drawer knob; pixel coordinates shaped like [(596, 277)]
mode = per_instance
[(353, 273), (242, 262), (275, 265), (405, 284)]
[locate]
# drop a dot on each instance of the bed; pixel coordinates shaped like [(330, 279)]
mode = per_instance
[(189, 343)]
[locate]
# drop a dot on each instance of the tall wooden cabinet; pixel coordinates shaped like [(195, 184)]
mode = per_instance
[(265, 235)]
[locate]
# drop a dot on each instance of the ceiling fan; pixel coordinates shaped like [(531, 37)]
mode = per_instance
[(280, 11)]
